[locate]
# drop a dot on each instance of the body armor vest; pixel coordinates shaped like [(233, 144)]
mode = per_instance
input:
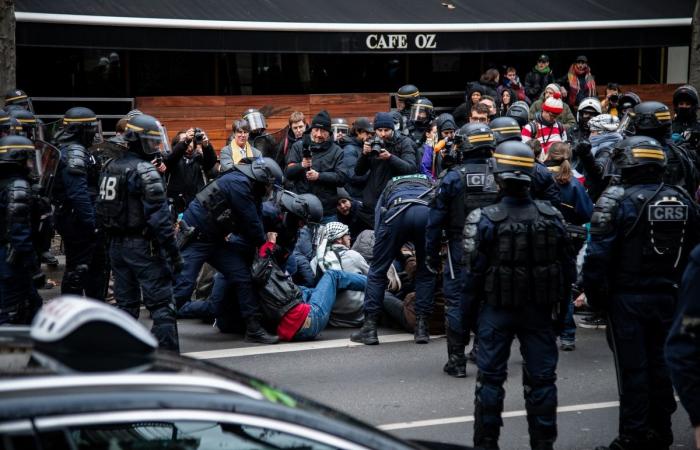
[(678, 171), (120, 211), (419, 182), (654, 243), (277, 294), (480, 190), (524, 267)]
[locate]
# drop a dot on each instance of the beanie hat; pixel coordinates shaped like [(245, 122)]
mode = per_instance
[(554, 104), (553, 86), (322, 120), (343, 193), (336, 230), (383, 120)]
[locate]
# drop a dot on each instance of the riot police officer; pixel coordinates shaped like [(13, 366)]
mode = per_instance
[(133, 207), (419, 121), (405, 96), (18, 98), (685, 127), (653, 119), (517, 255), (401, 216), (641, 234), (258, 137), (74, 194), (683, 343), (19, 266), (462, 188), (229, 206), (520, 112)]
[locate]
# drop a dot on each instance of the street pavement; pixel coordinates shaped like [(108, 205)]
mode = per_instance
[(400, 387)]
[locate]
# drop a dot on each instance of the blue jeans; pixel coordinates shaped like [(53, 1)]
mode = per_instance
[(568, 334), (231, 259), (328, 219), (533, 328), (322, 298)]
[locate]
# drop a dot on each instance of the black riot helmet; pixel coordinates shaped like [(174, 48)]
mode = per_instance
[(408, 94), (651, 118), (9, 125), (17, 97), (687, 93), (514, 161), (445, 122), (261, 170), (638, 151), (505, 129), (30, 126), (80, 125), (17, 151), (340, 127), (421, 111), (475, 138), (146, 136), (627, 101), (520, 112), (305, 206)]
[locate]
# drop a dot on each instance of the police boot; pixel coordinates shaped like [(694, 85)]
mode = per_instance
[(485, 437), (420, 334), (48, 259), (456, 365), (545, 444), (254, 332), (368, 333)]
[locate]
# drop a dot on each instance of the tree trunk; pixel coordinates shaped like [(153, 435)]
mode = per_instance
[(7, 47), (694, 75)]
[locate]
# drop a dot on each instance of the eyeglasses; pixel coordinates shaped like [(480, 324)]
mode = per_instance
[(479, 119)]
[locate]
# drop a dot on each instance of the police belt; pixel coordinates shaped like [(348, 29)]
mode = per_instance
[(404, 201)]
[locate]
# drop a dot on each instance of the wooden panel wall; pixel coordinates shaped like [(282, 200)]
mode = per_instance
[(648, 92), (215, 114)]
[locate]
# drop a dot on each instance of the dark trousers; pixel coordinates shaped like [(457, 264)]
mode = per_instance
[(85, 272), (409, 226), (141, 272), (17, 302), (456, 311), (636, 331), (497, 327), (232, 260)]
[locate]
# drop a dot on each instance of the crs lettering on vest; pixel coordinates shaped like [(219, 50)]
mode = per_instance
[(668, 210), (108, 188), (479, 179)]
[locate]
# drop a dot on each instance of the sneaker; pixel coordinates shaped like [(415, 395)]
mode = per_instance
[(595, 322), (567, 346)]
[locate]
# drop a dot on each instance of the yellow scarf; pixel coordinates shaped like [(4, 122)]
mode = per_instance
[(237, 153)]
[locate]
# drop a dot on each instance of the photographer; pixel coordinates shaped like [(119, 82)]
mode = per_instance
[(191, 160), (612, 96), (387, 155), (315, 165)]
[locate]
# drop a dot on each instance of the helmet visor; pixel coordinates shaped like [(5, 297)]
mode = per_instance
[(155, 142), (339, 130), (256, 121), (420, 112)]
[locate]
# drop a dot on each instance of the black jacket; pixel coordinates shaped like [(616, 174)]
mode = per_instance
[(187, 176), (402, 162), (328, 161), (352, 149), (535, 83)]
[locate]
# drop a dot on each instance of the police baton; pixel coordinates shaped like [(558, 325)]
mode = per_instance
[(449, 262)]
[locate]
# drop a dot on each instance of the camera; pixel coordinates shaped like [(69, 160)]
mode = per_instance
[(198, 135), (614, 99), (376, 144), (307, 151)]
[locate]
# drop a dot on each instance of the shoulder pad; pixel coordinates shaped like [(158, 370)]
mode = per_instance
[(152, 183), (471, 230), (77, 158), (18, 200), (474, 216), (495, 213), (546, 208), (20, 184), (606, 209)]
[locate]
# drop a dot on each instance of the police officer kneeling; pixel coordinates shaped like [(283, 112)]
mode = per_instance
[(641, 234), (133, 205), (520, 264)]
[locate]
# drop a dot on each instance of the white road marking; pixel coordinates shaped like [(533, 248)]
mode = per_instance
[(464, 419), (293, 347)]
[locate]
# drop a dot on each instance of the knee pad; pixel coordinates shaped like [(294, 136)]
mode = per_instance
[(163, 313)]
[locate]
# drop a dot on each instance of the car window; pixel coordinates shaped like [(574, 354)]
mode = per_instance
[(186, 435)]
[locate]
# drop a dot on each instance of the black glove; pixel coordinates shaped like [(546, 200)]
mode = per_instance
[(177, 261), (432, 263), (582, 148)]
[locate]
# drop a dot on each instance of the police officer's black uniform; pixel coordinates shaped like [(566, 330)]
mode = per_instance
[(18, 261), (73, 196), (520, 266), (641, 233), (133, 207)]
